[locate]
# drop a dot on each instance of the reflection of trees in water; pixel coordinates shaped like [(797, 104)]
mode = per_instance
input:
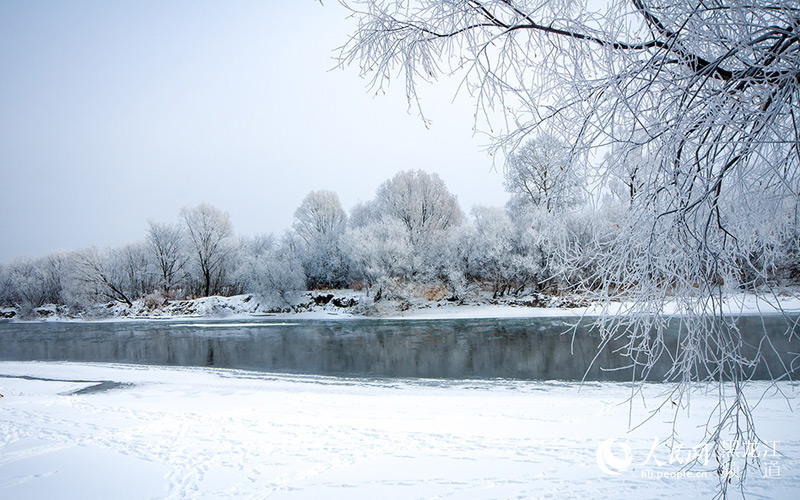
[(528, 349)]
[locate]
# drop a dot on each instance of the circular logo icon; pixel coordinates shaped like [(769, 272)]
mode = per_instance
[(614, 458)]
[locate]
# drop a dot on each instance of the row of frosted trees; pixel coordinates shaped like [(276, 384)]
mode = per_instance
[(412, 235), (188, 258)]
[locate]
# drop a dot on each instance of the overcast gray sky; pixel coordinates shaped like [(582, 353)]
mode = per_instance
[(113, 113)]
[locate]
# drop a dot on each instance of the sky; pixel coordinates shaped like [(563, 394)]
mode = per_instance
[(116, 113)]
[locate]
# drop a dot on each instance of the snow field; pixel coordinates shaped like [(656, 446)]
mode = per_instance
[(172, 433)]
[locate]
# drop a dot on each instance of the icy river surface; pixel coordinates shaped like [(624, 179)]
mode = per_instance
[(529, 349)]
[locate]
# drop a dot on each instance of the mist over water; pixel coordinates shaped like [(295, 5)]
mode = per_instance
[(533, 349)]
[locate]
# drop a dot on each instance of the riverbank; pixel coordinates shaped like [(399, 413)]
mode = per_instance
[(171, 433), (344, 304)]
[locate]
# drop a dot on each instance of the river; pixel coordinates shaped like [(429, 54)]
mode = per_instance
[(530, 349)]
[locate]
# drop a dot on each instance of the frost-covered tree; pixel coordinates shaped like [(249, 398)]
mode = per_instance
[(543, 172), (509, 253), (98, 276), (6, 294), (272, 271), (365, 212), (381, 251), (449, 261), (493, 247), (136, 263), (426, 209), (30, 283), (710, 89), (566, 250), (320, 214), (251, 252), (209, 233), (320, 222), (56, 266), (421, 202), (627, 169), (168, 250)]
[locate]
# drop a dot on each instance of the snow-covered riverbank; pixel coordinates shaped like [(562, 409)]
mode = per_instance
[(343, 304), (200, 433)]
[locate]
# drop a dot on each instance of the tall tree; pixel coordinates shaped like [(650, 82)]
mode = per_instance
[(542, 172), (101, 275), (135, 260), (27, 284), (168, 250), (381, 252), (320, 214), (421, 201), (270, 269), (320, 222), (492, 257), (210, 232)]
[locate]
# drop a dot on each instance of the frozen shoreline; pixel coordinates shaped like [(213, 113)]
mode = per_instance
[(209, 433), (243, 307), (735, 305)]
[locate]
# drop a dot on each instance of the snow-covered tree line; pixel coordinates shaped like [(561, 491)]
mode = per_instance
[(197, 255), (412, 232), (412, 235)]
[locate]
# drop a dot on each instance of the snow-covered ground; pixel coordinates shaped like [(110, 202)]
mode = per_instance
[(735, 305), (203, 433)]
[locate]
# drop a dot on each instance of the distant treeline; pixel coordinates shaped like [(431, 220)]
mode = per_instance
[(413, 231)]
